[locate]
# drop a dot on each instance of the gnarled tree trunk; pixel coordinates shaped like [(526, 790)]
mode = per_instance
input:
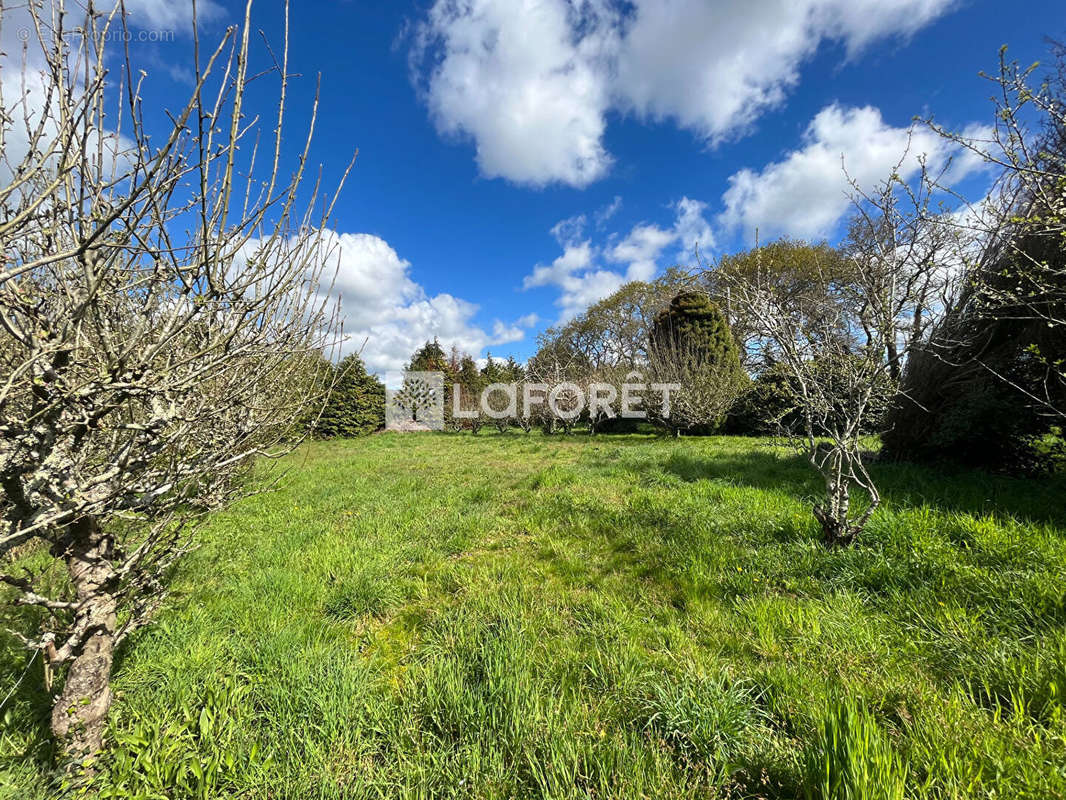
[(79, 716)]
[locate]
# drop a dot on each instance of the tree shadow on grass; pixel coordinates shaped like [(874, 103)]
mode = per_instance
[(1039, 499)]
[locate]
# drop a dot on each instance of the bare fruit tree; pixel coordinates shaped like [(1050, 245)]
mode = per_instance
[(1019, 279), (161, 317), (841, 345)]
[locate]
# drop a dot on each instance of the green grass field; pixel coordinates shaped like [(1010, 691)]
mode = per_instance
[(513, 616)]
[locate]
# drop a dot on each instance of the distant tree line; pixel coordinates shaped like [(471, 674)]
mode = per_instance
[(941, 329)]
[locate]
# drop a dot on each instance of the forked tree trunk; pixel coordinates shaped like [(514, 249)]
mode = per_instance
[(79, 716), (835, 532)]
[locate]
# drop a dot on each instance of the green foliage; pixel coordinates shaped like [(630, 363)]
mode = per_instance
[(710, 721), (494, 371), (801, 276), (468, 376), (200, 746), (429, 357), (693, 322), (851, 759), (614, 331), (768, 405), (771, 405), (357, 404), (691, 345), (513, 372)]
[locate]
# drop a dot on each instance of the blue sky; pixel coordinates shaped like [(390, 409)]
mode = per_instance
[(643, 127)]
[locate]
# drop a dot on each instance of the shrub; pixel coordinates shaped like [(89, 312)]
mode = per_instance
[(691, 345), (767, 404), (770, 405)]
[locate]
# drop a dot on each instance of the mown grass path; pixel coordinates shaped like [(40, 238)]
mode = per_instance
[(528, 616)]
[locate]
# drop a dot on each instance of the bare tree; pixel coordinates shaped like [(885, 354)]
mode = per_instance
[(705, 386), (1018, 278), (841, 353), (524, 421), (613, 333), (471, 416), (556, 373), (601, 387), (158, 317)]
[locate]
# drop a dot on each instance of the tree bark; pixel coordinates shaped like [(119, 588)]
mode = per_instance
[(835, 532), (79, 716)]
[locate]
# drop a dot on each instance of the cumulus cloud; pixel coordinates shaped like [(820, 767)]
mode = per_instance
[(715, 67), (641, 249), (388, 315), (692, 228), (581, 274), (516, 79), (171, 15), (576, 257), (806, 193), (531, 83)]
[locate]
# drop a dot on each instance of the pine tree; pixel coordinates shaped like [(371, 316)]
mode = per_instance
[(493, 371), (513, 371), (468, 376), (357, 404), (429, 357), (693, 320)]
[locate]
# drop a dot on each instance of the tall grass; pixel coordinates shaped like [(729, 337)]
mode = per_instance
[(612, 617)]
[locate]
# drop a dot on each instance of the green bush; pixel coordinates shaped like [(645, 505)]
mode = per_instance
[(767, 405), (771, 405), (690, 344)]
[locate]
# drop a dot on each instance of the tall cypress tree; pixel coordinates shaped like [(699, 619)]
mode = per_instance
[(691, 344), (694, 324), (430, 357)]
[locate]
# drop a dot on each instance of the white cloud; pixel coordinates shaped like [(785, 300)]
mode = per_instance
[(581, 291), (573, 273), (641, 249), (714, 67), (531, 83), (575, 258), (514, 77), (693, 230), (387, 315), (603, 216), (503, 333), (806, 193), (582, 279), (171, 15)]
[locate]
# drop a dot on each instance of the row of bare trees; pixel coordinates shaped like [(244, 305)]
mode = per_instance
[(162, 309)]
